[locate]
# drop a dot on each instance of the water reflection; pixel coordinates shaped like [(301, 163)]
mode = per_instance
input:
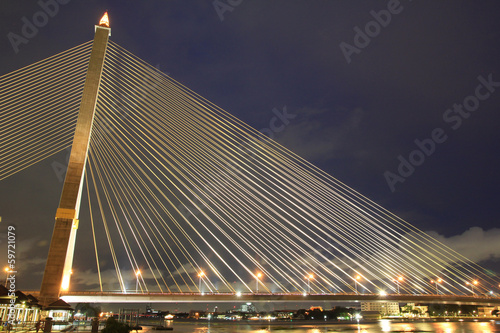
[(447, 327), (381, 326), (385, 325), (361, 330), (314, 330)]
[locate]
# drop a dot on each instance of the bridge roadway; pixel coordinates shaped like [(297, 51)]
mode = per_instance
[(118, 297)]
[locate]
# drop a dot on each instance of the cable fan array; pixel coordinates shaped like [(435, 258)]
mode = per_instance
[(184, 197), (200, 201), (38, 106)]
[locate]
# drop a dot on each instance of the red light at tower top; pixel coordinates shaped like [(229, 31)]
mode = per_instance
[(104, 22)]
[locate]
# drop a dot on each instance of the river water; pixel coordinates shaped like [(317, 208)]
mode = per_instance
[(381, 326)]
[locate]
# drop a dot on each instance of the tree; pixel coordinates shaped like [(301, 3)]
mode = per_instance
[(114, 326), (88, 310), (340, 311)]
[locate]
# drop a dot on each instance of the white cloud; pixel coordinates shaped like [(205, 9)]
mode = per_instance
[(309, 137), (476, 244)]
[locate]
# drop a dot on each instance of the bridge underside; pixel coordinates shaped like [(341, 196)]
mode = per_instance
[(103, 297)]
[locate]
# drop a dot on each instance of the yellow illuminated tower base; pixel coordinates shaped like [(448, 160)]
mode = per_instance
[(60, 259)]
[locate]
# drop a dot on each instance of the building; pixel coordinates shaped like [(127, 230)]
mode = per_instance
[(19, 309), (24, 310), (486, 311), (384, 308), (371, 315), (197, 314), (410, 310), (60, 312), (247, 307)]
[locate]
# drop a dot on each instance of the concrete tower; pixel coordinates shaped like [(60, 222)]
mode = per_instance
[(60, 259)]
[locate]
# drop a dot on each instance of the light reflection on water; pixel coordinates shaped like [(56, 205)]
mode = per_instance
[(385, 325), (381, 326)]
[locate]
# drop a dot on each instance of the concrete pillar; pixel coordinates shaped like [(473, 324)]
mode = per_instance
[(47, 328), (60, 258), (95, 325)]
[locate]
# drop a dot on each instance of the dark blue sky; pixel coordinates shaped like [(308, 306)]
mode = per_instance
[(360, 99)]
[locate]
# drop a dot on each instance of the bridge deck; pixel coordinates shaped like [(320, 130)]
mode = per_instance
[(114, 297)]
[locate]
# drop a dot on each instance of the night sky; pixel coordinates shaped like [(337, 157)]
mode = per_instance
[(372, 85)]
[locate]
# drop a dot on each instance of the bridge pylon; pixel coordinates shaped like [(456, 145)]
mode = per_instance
[(58, 269)]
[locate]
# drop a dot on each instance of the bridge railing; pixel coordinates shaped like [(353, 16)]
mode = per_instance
[(104, 293)]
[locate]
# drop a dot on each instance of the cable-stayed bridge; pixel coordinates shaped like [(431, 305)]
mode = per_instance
[(187, 202), (228, 297)]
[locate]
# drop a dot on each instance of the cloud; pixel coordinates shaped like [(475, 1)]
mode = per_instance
[(314, 136), (421, 258), (475, 243)]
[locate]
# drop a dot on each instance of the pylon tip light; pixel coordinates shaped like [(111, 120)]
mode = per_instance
[(104, 22)]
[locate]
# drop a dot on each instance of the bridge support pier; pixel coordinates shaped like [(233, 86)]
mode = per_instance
[(58, 269), (54, 275)]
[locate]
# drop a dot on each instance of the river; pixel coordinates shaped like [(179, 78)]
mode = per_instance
[(381, 326)]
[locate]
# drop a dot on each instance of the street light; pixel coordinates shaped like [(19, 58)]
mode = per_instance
[(257, 277), (7, 271), (309, 277), (356, 282), (398, 280), (137, 274), (200, 275), (472, 284), (438, 281)]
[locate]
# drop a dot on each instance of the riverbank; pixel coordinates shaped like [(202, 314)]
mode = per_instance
[(307, 326), (317, 326), (333, 322)]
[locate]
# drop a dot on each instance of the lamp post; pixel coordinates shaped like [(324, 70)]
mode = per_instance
[(356, 282), (7, 271), (257, 277), (308, 278), (137, 274), (200, 276), (437, 282), (472, 284), (398, 280)]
